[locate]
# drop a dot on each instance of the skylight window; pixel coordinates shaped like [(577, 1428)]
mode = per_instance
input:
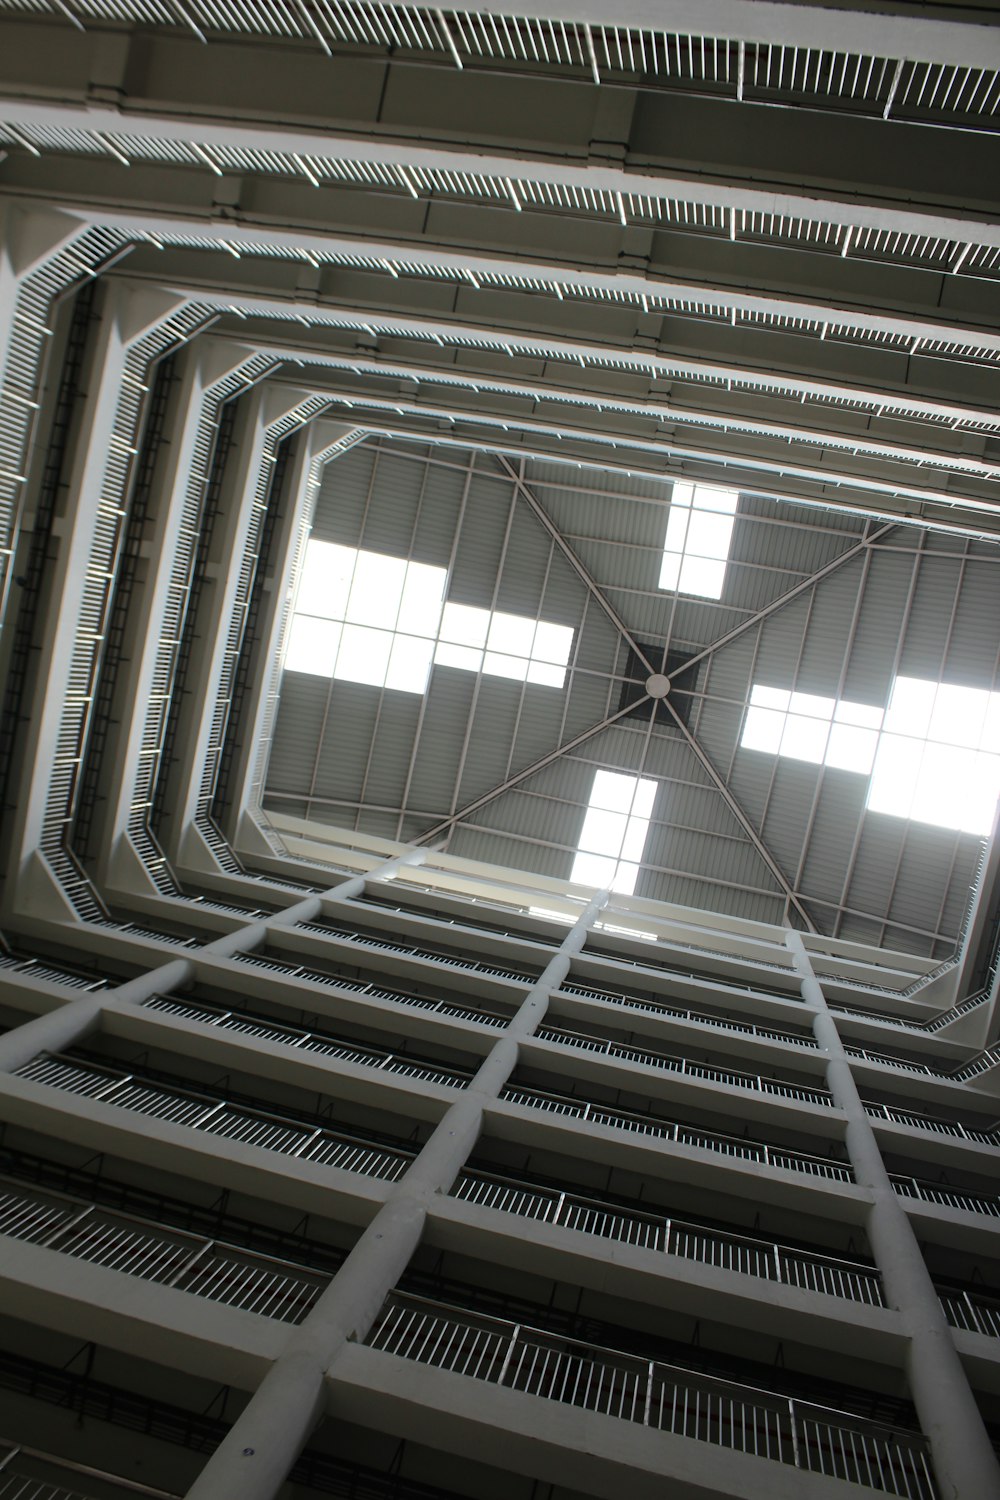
[(614, 832), (363, 617), (699, 535), (933, 755)]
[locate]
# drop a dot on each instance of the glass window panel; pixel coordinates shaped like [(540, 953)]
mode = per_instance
[(409, 664), (810, 706), (991, 726), (709, 497), (681, 494), (624, 878), (940, 796), (499, 665), (763, 730), (465, 657), (552, 642), (325, 580), (704, 576), (709, 535), (678, 520), (805, 739), (511, 634), (603, 831), (959, 715), (312, 646), (465, 625), (376, 590), (613, 791), (364, 655), (851, 748), (670, 571), (895, 774), (864, 715), (593, 869), (645, 796), (423, 592), (910, 707), (769, 697), (634, 842), (982, 789), (544, 674)]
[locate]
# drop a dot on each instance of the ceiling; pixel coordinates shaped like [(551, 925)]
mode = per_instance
[(815, 599)]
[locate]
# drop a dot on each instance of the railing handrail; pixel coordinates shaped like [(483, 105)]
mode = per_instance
[(461, 1315), (735, 1076), (584, 1107), (72, 1467), (736, 1236), (725, 1023)]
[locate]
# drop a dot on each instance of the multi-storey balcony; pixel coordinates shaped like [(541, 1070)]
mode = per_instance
[(466, 916), (425, 940), (702, 1015), (632, 1388)]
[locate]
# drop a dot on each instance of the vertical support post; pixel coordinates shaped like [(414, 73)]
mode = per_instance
[(253, 1459), (961, 1452)]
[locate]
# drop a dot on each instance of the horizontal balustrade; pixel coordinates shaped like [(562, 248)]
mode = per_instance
[(972, 1311), (29, 1474), (851, 1280), (34, 968), (170, 1257), (931, 1122), (482, 1015), (465, 924), (948, 1197), (203, 1111), (485, 1016), (688, 1013), (683, 1135), (246, 1023), (409, 950), (667, 1398), (705, 1072)]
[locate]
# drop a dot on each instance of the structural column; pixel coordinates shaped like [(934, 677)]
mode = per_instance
[(965, 1464), (253, 1460), (69, 1024)]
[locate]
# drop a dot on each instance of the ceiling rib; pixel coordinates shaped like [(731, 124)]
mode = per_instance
[(446, 824), (535, 506)]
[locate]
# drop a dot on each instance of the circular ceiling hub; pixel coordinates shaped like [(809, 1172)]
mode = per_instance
[(657, 686)]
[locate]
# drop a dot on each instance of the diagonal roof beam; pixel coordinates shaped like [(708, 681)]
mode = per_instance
[(737, 811), (599, 597), (786, 598), (446, 824)]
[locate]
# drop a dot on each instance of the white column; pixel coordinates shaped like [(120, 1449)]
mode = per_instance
[(253, 1459), (964, 1462), (68, 1024)]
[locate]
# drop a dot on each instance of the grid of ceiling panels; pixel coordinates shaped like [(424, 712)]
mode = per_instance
[(767, 72), (908, 603)]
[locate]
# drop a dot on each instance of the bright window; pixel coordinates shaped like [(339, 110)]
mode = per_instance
[(363, 617), (699, 535), (933, 755), (614, 832)]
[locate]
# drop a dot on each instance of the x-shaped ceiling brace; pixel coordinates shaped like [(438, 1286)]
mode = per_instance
[(721, 786)]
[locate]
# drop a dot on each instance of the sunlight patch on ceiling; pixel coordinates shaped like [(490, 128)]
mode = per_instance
[(699, 535), (383, 621), (614, 831), (933, 755)]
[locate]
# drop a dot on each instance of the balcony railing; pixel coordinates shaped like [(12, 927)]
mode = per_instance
[(850, 1280), (948, 1197), (731, 1077), (483, 1015), (346, 934), (248, 1024), (28, 1474), (936, 1123), (170, 1257), (974, 1311), (683, 1135), (209, 1113), (664, 1397), (464, 924), (689, 1013)]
